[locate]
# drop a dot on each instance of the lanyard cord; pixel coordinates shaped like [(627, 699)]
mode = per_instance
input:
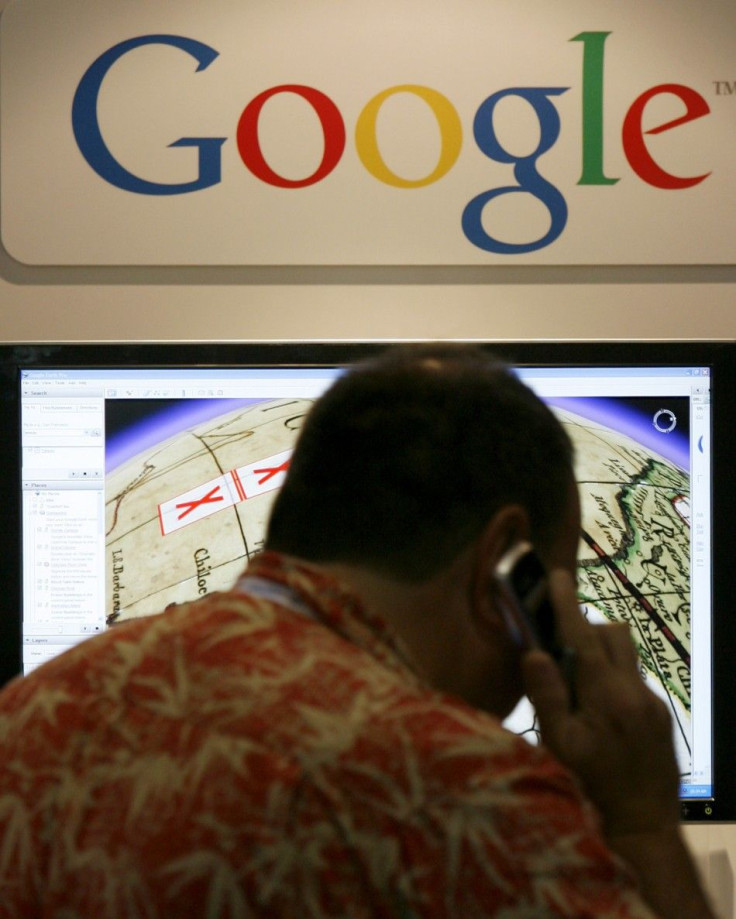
[(255, 586)]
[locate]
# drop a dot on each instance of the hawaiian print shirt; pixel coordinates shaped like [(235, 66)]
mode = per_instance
[(271, 752)]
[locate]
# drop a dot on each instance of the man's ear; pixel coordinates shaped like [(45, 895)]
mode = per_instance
[(505, 529)]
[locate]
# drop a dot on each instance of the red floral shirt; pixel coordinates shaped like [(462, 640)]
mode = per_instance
[(271, 752)]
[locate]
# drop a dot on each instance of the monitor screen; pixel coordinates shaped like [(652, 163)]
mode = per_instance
[(137, 476)]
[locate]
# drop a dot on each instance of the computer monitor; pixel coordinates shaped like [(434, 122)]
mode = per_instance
[(139, 475)]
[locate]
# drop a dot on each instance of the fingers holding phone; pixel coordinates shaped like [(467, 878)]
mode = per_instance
[(618, 738)]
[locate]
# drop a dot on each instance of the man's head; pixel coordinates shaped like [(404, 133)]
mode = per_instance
[(403, 462)]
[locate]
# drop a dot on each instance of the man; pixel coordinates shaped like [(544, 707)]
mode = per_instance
[(325, 739)]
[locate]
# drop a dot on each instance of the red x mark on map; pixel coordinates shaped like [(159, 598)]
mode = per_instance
[(247, 481), (269, 473), (211, 497)]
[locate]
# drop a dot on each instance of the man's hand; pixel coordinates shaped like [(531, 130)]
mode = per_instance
[(618, 740)]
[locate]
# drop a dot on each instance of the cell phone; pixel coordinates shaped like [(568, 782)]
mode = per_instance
[(525, 604), (524, 599)]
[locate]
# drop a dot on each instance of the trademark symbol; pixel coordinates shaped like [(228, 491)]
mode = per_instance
[(725, 87)]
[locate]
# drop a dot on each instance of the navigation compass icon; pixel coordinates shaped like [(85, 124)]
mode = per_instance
[(665, 421)]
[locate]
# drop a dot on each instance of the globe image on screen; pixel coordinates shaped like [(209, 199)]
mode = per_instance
[(634, 555), (634, 560), (184, 516)]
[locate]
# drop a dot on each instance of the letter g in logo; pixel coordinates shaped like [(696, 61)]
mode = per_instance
[(530, 182), (89, 139)]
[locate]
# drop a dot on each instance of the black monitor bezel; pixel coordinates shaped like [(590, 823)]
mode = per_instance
[(718, 355)]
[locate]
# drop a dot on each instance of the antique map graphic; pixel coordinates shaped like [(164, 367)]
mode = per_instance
[(184, 516), (634, 555)]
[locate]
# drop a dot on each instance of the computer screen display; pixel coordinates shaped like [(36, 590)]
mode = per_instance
[(145, 475)]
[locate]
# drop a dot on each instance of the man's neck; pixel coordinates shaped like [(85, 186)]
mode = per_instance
[(432, 619)]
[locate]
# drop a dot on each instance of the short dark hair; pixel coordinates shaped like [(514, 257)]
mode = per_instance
[(405, 459)]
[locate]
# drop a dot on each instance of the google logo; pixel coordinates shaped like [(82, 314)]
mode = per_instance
[(528, 180)]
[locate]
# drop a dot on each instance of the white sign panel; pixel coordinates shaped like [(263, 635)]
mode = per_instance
[(339, 132)]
